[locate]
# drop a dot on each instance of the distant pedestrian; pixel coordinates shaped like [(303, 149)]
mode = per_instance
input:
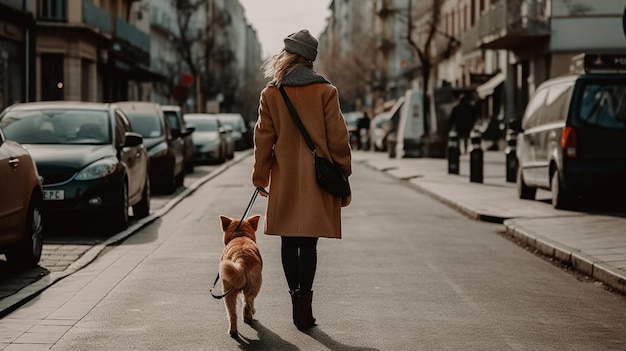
[(363, 131), (298, 209), (462, 119)]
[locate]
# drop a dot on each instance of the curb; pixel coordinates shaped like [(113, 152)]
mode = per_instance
[(27, 293), (575, 259)]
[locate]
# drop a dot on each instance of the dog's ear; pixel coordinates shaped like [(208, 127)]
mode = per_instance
[(254, 221), (226, 221)]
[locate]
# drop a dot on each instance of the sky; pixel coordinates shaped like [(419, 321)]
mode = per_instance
[(275, 19)]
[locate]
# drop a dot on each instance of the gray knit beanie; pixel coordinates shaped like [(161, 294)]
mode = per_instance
[(302, 43)]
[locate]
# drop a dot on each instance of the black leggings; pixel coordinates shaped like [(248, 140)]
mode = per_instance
[(299, 256)]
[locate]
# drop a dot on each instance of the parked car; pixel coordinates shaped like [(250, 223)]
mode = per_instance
[(352, 122), (390, 127), (405, 139), (180, 129), (167, 167), (572, 137), (91, 161), (21, 201), (377, 131), (212, 140), (240, 132)]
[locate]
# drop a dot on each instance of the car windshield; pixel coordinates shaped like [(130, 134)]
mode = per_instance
[(147, 125), (204, 124), (57, 126), (235, 124), (604, 105)]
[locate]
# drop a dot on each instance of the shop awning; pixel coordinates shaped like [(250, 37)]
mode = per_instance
[(487, 88)]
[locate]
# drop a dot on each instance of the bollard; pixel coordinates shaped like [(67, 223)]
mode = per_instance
[(511, 156), (476, 158), (453, 153)]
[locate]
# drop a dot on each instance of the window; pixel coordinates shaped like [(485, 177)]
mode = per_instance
[(556, 103), (533, 109), (604, 105), (52, 10)]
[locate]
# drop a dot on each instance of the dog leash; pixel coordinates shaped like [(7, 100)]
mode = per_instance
[(245, 214)]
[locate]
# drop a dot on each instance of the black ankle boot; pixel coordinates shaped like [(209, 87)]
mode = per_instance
[(303, 316), (295, 296)]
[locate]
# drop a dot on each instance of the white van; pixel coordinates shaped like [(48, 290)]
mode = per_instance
[(408, 139)]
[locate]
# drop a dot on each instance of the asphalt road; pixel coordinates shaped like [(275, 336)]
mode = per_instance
[(409, 274)]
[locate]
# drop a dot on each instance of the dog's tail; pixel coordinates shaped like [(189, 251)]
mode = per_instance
[(232, 274)]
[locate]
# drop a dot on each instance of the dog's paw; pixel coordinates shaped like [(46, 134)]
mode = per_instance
[(233, 333), (248, 313)]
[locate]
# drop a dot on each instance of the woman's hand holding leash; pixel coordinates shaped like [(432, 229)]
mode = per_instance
[(263, 192)]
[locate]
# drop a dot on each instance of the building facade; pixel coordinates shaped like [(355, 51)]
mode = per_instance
[(114, 50), (17, 43)]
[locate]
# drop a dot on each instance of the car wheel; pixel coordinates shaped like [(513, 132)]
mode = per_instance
[(189, 167), (171, 181), (28, 250), (142, 208), (561, 199), (119, 216), (523, 190), (180, 178)]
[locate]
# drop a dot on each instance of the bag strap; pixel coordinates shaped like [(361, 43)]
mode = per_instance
[(297, 120)]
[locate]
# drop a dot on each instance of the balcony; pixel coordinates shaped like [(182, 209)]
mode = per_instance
[(470, 40), (509, 24), (96, 17)]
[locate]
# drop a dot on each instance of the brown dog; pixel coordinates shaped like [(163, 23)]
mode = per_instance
[(240, 267)]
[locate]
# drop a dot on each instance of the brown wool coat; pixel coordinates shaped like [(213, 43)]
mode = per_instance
[(297, 206)]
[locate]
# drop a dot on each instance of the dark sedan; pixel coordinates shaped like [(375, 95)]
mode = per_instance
[(181, 130), (211, 139), (166, 151), (91, 161)]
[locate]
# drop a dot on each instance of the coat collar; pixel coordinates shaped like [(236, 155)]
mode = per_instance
[(301, 75)]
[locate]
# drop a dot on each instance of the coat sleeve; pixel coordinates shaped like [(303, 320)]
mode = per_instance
[(337, 133), (264, 139)]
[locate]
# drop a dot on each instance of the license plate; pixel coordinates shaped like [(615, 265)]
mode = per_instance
[(53, 195)]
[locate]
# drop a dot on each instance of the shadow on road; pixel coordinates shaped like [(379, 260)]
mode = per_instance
[(268, 340), (332, 344)]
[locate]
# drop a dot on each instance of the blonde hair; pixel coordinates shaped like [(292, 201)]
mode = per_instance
[(279, 65)]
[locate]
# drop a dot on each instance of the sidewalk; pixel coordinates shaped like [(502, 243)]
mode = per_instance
[(592, 243)]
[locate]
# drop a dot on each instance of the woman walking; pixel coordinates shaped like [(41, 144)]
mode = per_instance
[(298, 210)]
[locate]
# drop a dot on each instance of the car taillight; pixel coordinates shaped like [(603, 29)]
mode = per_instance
[(569, 142)]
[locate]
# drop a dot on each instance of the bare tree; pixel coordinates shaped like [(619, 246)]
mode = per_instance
[(422, 45), (191, 40), (432, 46)]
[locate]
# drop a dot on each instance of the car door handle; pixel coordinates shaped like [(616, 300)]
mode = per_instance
[(14, 162)]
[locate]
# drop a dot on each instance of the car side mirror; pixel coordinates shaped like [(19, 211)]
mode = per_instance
[(132, 139), (190, 129), (516, 125), (176, 134)]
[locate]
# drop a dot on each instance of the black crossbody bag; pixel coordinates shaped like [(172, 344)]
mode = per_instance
[(329, 176)]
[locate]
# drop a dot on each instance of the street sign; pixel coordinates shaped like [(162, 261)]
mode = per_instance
[(186, 79)]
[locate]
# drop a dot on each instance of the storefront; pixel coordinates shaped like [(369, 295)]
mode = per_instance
[(16, 65)]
